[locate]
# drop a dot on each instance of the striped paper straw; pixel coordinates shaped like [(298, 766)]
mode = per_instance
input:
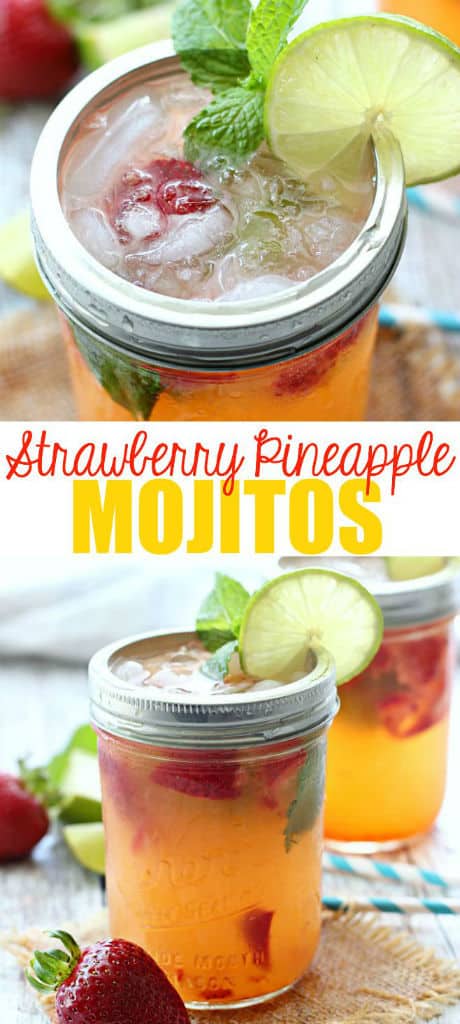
[(434, 201), (364, 867), (399, 315), (408, 905)]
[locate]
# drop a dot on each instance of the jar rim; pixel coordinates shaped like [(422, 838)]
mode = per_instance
[(414, 602), (244, 333), (236, 719)]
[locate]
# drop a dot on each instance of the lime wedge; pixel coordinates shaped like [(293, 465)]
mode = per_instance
[(298, 609), (343, 82), (99, 42), (87, 845), (81, 787), (411, 568), (17, 264)]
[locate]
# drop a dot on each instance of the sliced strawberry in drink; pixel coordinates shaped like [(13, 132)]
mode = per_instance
[(420, 693), (140, 202), (255, 926), (205, 777), (278, 779), (301, 375), (186, 196)]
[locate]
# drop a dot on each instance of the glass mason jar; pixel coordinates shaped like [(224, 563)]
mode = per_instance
[(443, 15), (213, 820), (387, 752), (302, 353)]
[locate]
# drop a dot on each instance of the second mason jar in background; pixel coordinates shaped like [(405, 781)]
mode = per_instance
[(387, 755)]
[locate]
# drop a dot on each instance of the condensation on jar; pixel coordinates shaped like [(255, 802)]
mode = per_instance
[(213, 821)]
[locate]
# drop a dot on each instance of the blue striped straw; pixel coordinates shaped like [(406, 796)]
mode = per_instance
[(435, 201), (364, 867), (408, 905), (396, 315)]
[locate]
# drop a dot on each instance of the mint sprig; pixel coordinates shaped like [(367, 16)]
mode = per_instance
[(230, 48), (217, 667), (268, 29), (220, 615), (210, 36), (232, 125)]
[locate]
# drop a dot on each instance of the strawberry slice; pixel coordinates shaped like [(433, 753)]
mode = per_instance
[(255, 926), (419, 695), (206, 777), (301, 375), (141, 201)]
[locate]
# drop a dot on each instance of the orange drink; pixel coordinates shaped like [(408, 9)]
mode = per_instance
[(212, 804), (443, 15), (387, 752), (207, 292)]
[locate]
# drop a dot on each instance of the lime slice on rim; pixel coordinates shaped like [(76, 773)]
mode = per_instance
[(343, 82), (292, 612)]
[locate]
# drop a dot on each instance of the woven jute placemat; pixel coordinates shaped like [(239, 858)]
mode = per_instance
[(415, 375), (364, 973)]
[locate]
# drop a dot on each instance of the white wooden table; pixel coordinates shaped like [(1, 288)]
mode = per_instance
[(39, 707)]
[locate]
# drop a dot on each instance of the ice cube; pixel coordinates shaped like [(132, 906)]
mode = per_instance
[(132, 672), (141, 221), (95, 158), (95, 233), (257, 287), (189, 236)]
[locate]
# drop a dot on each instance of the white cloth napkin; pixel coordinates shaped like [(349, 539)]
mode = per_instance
[(65, 611)]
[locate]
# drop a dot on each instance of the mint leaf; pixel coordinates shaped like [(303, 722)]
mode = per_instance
[(219, 617), (216, 69), (304, 809), (217, 666), (209, 36), (269, 26), (129, 385), (232, 125)]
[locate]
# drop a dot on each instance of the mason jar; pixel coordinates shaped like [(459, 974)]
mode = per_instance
[(213, 821), (300, 353), (387, 756)]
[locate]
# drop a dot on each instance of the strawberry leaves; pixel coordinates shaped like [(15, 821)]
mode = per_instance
[(230, 48)]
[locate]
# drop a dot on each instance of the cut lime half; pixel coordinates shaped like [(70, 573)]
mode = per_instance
[(87, 845), (311, 606), (343, 82)]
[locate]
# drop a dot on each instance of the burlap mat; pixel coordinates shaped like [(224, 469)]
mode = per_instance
[(365, 973), (416, 373)]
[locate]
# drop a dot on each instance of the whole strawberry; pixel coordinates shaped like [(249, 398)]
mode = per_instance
[(112, 982), (38, 56), (23, 819)]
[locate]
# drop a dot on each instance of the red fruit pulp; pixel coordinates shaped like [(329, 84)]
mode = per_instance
[(147, 196), (256, 925), (410, 676), (207, 777), (302, 374)]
